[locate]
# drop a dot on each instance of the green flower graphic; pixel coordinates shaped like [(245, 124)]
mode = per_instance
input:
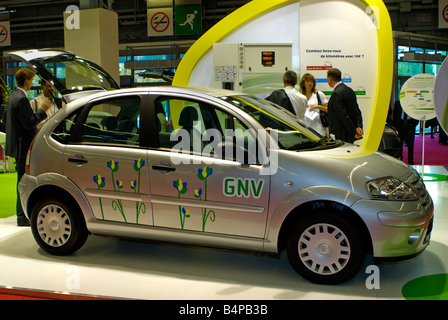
[(198, 193), (118, 185), (116, 204), (140, 207), (203, 174), (138, 164), (113, 165), (181, 188), (100, 182), (186, 213)]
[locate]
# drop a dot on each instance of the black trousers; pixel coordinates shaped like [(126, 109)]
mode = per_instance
[(20, 164), (407, 135)]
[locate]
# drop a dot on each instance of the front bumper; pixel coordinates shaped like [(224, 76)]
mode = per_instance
[(398, 230)]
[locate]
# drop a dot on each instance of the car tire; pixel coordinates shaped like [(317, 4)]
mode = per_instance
[(325, 248), (58, 226)]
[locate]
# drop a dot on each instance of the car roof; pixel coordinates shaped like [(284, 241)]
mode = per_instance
[(205, 93)]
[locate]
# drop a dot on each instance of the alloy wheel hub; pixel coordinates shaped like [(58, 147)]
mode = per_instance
[(324, 249), (54, 225)]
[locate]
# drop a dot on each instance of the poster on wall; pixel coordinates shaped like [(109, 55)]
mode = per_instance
[(326, 47), (441, 95), (417, 97)]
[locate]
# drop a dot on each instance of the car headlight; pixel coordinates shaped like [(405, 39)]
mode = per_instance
[(389, 188)]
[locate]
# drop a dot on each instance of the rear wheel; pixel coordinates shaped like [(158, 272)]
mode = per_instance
[(324, 248), (58, 227)]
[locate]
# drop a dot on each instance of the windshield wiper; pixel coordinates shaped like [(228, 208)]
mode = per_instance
[(324, 141), (303, 145), (327, 140)]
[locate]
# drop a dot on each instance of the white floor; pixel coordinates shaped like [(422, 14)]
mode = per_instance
[(111, 267)]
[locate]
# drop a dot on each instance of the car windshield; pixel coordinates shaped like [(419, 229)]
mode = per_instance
[(292, 133)]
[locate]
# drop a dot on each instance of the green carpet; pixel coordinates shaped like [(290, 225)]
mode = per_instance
[(431, 287), (8, 194)]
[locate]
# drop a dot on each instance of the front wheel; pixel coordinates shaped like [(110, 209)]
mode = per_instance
[(324, 248), (58, 227)]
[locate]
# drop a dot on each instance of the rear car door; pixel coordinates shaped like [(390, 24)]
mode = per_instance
[(105, 160)]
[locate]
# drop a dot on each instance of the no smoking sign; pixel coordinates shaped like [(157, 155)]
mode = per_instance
[(160, 22), (5, 39), (445, 14)]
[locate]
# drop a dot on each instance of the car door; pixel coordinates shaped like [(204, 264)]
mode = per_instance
[(105, 160), (191, 187)]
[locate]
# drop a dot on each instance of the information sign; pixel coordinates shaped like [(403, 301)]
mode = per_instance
[(188, 19)]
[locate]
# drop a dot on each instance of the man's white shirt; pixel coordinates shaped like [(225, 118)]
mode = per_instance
[(298, 100)]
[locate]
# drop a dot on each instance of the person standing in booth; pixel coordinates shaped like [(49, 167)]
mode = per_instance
[(405, 126), (288, 97), (344, 115), (21, 124), (316, 115), (48, 92)]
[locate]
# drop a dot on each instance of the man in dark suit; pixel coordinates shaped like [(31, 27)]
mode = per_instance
[(344, 115), (405, 126), (21, 124)]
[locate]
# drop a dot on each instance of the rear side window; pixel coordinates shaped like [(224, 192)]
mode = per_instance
[(63, 131), (114, 121)]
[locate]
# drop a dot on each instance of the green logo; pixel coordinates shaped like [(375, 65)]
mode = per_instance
[(242, 187)]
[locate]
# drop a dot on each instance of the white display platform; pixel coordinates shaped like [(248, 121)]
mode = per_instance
[(109, 267)]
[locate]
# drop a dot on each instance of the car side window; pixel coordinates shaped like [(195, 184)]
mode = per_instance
[(177, 116), (63, 131), (197, 127), (113, 121), (241, 139)]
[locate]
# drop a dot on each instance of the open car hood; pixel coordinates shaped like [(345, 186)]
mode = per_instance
[(72, 76)]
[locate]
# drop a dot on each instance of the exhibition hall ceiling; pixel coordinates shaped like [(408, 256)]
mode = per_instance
[(39, 23)]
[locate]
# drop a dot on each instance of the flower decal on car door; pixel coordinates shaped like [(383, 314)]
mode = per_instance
[(181, 187), (118, 185)]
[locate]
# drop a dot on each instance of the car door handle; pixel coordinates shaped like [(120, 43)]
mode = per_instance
[(163, 168), (78, 159)]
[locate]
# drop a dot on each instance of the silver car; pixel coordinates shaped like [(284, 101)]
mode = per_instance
[(217, 169)]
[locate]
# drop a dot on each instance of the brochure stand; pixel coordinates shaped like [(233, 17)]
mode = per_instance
[(429, 176), (423, 151), (416, 98)]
